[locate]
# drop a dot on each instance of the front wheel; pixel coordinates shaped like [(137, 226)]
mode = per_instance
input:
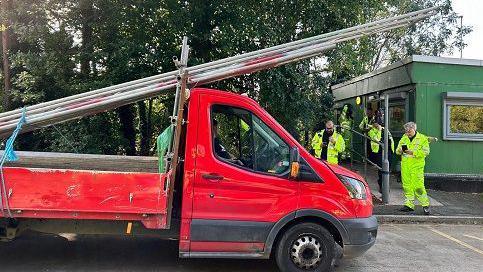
[(306, 247)]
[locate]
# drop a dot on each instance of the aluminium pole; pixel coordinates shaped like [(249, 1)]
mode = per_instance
[(132, 96), (178, 114), (56, 105), (213, 77), (385, 150), (336, 39), (365, 139), (84, 109), (177, 107), (365, 29), (91, 94), (288, 57), (135, 95), (413, 17)]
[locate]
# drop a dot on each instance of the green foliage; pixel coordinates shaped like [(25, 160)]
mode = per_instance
[(65, 47), (437, 35)]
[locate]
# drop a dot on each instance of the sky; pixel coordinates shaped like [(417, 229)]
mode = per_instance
[(472, 12)]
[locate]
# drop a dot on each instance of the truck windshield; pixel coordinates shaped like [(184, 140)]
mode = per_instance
[(241, 138)]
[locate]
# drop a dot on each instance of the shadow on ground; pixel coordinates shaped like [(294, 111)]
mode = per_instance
[(40, 252)]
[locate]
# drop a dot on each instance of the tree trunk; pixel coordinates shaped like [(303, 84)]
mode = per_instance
[(149, 124), (145, 127), (202, 27), (87, 47), (6, 64), (126, 116)]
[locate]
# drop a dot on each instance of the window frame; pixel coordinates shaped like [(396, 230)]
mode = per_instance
[(284, 175), (459, 99)]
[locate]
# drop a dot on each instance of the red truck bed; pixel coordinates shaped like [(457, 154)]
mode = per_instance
[(87, 194)]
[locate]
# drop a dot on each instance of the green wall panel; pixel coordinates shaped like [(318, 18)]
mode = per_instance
[(456, 157), (447, 74)]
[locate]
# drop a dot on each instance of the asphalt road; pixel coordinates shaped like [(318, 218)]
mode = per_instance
[(399, 248)]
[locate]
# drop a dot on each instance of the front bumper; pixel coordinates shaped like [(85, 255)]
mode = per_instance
[(362, 234)]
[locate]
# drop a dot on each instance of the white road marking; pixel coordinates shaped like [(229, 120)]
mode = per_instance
[(474, 237)]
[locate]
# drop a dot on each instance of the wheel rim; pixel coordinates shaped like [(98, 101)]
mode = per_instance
[(306, 252)]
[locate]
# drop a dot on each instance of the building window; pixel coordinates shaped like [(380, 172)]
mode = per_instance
[(467, 119), (463, 116), (397, 117)]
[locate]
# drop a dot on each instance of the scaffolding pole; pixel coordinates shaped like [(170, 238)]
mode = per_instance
[(77, 106)]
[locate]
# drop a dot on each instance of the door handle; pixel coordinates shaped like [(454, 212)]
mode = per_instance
[(212, 176)]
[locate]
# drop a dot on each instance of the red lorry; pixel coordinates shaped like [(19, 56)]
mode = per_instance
[(244, 188)]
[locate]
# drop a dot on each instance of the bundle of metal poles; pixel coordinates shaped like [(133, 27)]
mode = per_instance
[(89, 103)]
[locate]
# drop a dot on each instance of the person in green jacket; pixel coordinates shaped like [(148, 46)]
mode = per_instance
[(376, 135), (345, 122), (367, 120), (327, 144), (364, 126), (413, 148)]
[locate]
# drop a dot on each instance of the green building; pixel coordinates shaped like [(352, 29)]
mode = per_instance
[(444, 96)]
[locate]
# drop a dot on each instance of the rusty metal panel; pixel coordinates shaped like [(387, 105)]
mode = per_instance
[(80, 194)]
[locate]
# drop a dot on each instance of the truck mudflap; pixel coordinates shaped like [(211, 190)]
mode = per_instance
[(362, 233), (83, 194)]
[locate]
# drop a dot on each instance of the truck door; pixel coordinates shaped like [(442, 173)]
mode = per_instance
[(241, 182)]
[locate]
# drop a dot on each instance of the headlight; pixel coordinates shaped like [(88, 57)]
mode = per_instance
[(355, 187)]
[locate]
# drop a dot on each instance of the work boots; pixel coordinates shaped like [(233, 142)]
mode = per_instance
[(405, 208), (426, 210)]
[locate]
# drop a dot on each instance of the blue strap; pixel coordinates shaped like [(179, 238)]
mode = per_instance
[(9, 155)]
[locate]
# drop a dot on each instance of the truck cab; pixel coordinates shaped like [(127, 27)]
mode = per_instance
[(241, 200)]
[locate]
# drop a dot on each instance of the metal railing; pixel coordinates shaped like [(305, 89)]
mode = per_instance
[(385, 160)]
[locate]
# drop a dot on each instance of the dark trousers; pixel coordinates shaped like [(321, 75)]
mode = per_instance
[(379, 177), (378, 160)]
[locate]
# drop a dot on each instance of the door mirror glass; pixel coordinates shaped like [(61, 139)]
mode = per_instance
[(294, 163)]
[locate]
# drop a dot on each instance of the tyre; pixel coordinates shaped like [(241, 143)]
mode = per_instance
[(305, 247)]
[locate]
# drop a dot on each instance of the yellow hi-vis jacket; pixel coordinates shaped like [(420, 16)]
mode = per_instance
[(412, 169), (376, 135), (366, 123), (333, 150), (420, 147)]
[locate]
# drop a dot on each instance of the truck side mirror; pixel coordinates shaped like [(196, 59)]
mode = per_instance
[(294, 163)]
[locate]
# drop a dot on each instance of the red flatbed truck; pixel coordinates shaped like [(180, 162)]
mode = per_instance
[(235, 183), (244, 188)]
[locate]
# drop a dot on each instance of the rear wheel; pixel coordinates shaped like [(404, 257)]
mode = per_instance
[(306, 247)]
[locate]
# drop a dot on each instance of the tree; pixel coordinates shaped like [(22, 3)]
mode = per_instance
[(435, 36), (6, 62), (64, 47)]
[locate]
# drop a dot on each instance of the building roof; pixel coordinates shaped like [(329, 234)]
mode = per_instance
[(395, 75)]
